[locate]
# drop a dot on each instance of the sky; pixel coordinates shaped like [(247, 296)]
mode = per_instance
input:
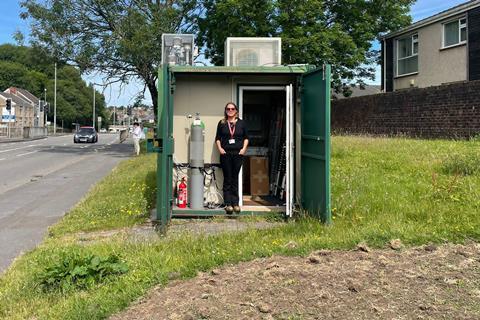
[(115, 94)]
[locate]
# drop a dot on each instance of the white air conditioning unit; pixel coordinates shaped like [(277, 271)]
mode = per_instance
[(178, 49), (253, 52)]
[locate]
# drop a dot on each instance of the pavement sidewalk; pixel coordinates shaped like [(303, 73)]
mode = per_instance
[(11, 140), (4, 139)]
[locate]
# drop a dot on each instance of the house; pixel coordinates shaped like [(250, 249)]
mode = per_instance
[(21, 114), (24, 94), (26, 110), (443, 48)]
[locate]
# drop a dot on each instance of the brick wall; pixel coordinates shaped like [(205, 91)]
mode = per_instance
[(446, 111)]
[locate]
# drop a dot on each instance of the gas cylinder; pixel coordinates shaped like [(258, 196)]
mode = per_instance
[(182, 194), (196, 177)]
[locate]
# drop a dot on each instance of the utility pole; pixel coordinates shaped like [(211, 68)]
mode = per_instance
[(93, 119), (55, 103), (45, 109)]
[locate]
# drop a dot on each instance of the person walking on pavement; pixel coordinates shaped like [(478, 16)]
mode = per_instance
[(137, 133), (232, 142)]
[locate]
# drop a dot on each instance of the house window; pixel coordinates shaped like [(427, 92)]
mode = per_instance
[(455, 32), (407, 55)]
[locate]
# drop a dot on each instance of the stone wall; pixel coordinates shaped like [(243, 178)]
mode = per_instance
[(34, 132), (446, 111)]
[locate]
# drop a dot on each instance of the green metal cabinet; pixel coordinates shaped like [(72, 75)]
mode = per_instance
[(313, 90)]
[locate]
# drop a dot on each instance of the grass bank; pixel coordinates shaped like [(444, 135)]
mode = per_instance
[(122, 199), (382, 189)]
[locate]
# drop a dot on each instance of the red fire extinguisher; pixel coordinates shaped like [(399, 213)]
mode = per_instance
[(182, 194)]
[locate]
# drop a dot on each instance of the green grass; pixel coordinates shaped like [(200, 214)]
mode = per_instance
[(400, 187), (382, 189), (124, 198)]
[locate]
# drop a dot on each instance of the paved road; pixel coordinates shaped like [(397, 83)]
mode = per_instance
[(41, 180)]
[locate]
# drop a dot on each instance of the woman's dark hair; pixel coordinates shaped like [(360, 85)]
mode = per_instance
[(225, 116)]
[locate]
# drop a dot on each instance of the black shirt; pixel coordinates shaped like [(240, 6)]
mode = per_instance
[(223, 134)]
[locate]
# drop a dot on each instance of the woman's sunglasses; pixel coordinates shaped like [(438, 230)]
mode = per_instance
[(230, 109)]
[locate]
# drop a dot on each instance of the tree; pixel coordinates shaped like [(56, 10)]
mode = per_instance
[(33, 69), (339, 32), (119, 38), (12, 74), (246, 18)]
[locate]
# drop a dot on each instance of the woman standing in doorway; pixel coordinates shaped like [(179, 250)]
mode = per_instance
[(232, 143)]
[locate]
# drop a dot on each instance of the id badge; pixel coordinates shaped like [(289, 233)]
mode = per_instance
[(231, 141)]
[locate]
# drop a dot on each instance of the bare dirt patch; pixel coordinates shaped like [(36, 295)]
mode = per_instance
[(427, 282)]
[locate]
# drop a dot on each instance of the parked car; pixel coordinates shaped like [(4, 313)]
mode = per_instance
[(103, 130), (86, 134)]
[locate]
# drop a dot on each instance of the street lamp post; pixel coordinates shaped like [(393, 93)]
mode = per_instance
[(93, 86), (44, 109), (93, 118), (55, 103)]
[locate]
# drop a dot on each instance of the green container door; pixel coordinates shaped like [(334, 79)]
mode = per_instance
[(164, 159), (315, 95)]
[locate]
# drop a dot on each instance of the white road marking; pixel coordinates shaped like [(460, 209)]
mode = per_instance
[(3, 159), (31, 145), (24, 154)]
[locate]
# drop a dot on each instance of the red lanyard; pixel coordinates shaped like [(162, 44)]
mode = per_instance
[(232, 131)]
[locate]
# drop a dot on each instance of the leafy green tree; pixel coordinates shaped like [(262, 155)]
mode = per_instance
[(33, 69), (339, 32), (35, 81), (13, 53), (246, 18), (121, 39), (11, 74)]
